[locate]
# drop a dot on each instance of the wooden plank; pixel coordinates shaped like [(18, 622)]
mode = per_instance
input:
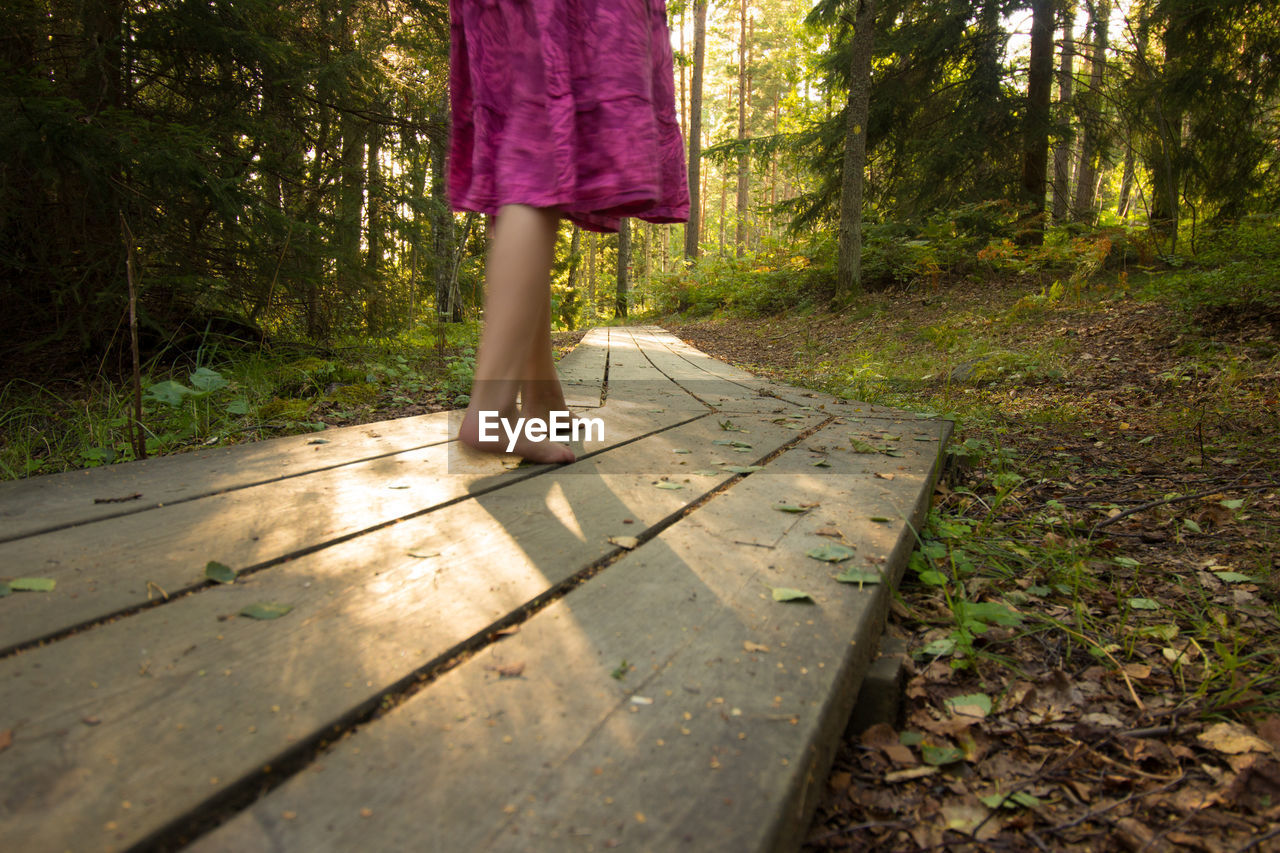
[(706, 743), (120, 730), (108, 566), (56, 501), (582, 371)]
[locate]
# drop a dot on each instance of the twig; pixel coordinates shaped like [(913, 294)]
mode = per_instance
[(1096, 813), (1179, 499), (139, 442), (1261, 839)]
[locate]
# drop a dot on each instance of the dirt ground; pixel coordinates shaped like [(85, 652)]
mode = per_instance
[(1135, 704)]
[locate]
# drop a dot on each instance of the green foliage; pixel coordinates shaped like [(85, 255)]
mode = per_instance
[(768, 282)]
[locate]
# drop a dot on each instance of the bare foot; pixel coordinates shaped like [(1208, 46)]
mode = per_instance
[(498, 440)]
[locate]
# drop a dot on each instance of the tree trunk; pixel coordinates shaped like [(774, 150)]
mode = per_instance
[(591, 278), (1063, 146), (1093, 148), (693, 229), (849, 261), (743, 160), (374, 308), (624, 261), (1035, 151)]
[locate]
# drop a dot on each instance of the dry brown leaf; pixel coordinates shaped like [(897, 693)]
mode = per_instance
[(510, 670), (1269, 730), (749, 646), (1232, 739), (909, 774), (1137, 670), (6, 739), (830, 531), (884, 476), (627, 542)]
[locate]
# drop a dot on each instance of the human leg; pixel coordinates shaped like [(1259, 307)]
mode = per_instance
[(517, 297)]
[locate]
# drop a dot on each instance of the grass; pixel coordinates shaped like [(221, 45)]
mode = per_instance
[(224, 397)]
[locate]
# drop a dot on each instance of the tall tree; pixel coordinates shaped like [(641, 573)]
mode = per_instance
[(624, 262), (1035, 153), (1094, 138), (849, 260), (744, 179), (1063, 134), (693, 228)]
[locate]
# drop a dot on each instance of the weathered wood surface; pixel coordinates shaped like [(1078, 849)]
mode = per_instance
[(161, 726)]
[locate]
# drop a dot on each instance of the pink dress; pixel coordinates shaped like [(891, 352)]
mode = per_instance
[(566, 104)]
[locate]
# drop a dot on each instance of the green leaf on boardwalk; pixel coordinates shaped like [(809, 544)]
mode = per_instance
[(882, 519), (970, 705), (822, 463), (940, 755), (266, 610), (708, 472), (32, 584), (791, 508), (1233, 577), (860, 576), (4, 589), (894, 453), (681, 450), (743, 469), (785, 593), (219, 572), (670, 486), (831, 553), (860, 446), (1144, 604)]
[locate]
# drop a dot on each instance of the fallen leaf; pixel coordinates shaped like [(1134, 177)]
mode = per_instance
[(32, 584), (1233, 577), (508, 670), (822, 463), (1011, 801), (627, 542), (940, 755), (830, 553), (219, 572), (749, 646), (670, 486), (880, 519), (6, 739), (884, 476), (785, 593), (743, 469), (860, 576), (5, 589), (1232, 739), (790, 508), (909, 774), (1137, 670), (970, 705), (1144, 604), (860, 446), (265, 610), (828, 531), (641, 700)]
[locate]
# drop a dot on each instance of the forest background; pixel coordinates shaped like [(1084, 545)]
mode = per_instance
[(271, 175), (1056, 222)]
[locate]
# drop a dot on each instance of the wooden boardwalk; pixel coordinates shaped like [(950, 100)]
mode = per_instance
[(476, 657)]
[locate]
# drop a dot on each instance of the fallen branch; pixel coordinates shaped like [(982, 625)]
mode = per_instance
[(1179, 499)]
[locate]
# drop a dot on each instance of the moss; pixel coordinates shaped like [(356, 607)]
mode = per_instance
[(304, 377), (284, 410), (353, 396)]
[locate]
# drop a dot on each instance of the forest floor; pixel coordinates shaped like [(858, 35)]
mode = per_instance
[(1094, 612)]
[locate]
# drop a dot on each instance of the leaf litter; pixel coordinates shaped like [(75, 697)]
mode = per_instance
[(1103, 731)]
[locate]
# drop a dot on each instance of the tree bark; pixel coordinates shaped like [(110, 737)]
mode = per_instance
[(694, 227), (1035, 152), (1093, 147), (1065, 137), (849, 261), (744, 184), (624, 261)]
